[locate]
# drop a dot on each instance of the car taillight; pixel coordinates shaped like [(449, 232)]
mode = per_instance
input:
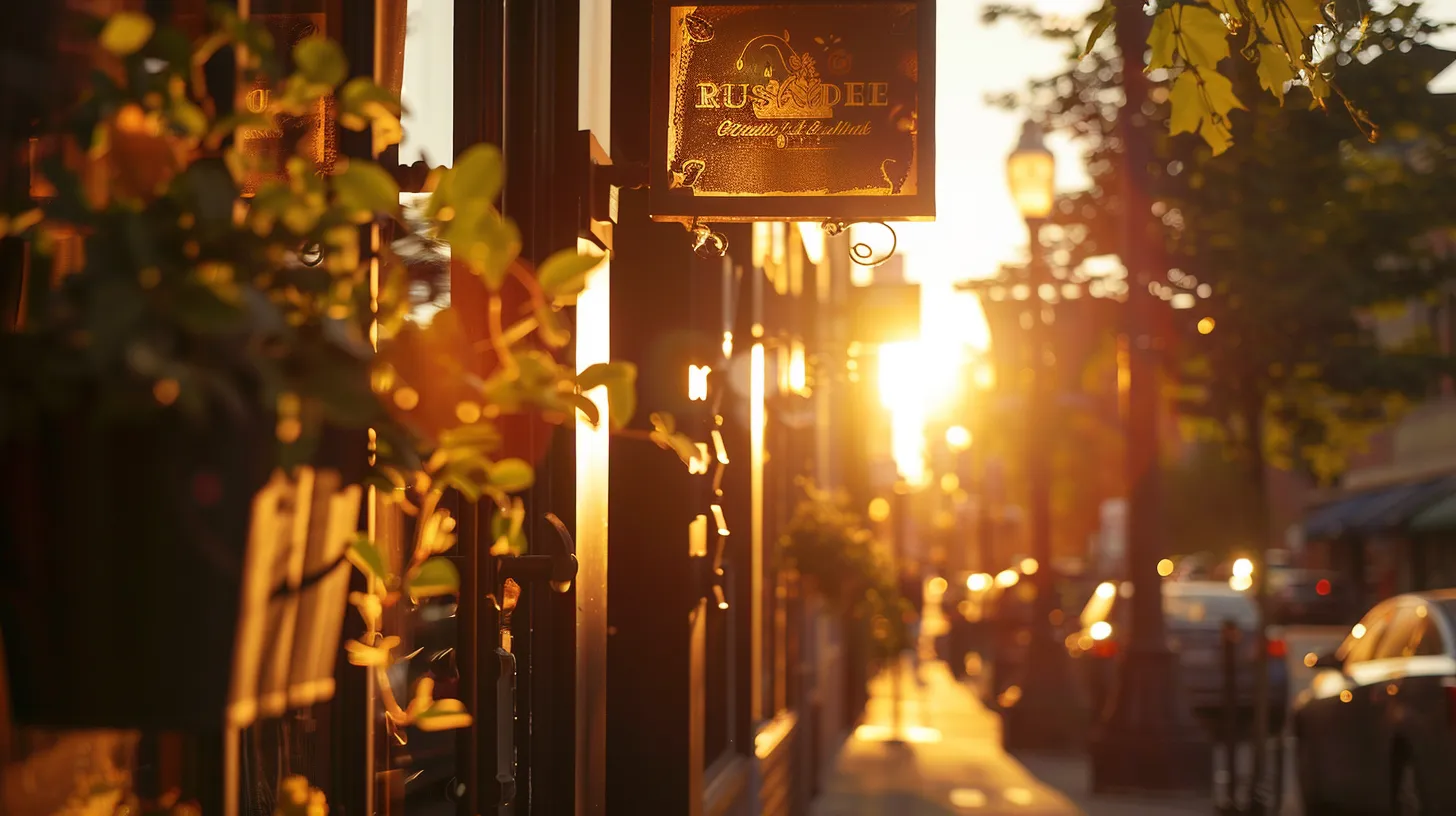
[(1104, 648), (1277, 648)]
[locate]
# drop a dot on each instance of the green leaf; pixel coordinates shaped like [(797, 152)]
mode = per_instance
[(479, 173), (1218, 136), (563, 274), (1202, 37), (1229, 7), (1101, 20), (444, 715), (366, 557), (365, 189), (664, 434), (321, 61), (188, 118), (360, 94), (487, 242), (586, 406), (435, 577), (1185, 104), (620, 380), (512, 475), (126, 32), (1274, 70), (1218, 90), (1162, 41), (549, 328)]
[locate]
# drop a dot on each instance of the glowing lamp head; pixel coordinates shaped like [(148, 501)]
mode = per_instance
[(978, 582), (1007, 578), (957, 438), (1100, 630), (1031, 173)]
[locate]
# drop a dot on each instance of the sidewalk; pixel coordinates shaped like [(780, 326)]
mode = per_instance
[(950, 761)]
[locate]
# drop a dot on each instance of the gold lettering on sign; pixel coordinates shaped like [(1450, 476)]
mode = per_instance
[(748, 100), (707, 95), (257, 100)]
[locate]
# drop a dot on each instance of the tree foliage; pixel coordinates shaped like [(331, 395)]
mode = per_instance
[(1299, 236), (1198, 48)]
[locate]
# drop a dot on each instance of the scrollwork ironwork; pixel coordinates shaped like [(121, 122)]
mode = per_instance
[(862, 252), (707, 243)]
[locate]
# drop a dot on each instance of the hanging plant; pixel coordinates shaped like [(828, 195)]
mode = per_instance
[(829, 544)]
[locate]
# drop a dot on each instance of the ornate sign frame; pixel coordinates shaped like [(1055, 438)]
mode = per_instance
[(855, 143)]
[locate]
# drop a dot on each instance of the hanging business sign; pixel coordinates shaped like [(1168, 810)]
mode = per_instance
[(793, 111)]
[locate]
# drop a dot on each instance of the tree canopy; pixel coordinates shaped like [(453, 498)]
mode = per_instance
[(1285, 43), (1296, 239)]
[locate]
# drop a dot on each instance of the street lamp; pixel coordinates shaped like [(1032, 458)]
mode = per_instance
[(1030, 172), (1044, 714)]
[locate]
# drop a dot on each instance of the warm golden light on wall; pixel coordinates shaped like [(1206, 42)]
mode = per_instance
[(699, 464), (798, 368), (698, 382), (811, 235), (903, 386)]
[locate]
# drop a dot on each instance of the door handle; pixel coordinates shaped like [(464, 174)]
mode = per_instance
[(505, 725), (557, 568)]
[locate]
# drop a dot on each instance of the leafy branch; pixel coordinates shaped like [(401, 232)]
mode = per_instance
[(1282, 38)]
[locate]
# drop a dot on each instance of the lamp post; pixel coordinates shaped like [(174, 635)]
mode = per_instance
[(1045, 714)]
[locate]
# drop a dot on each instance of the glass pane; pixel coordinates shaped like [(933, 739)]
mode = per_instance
[(428, 84), (1429, 641), (1360, 644), (1401, 635)]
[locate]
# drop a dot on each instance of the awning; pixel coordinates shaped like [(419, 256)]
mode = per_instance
[(1438, 518), (1378, 510)]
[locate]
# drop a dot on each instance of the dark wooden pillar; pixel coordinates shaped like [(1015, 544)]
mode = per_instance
[(651, 583), (543, 193), (479, 44)]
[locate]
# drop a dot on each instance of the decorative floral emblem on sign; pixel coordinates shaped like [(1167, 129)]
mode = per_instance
[(801, 95)]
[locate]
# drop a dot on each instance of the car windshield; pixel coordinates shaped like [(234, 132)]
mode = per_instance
[(1192, 609)]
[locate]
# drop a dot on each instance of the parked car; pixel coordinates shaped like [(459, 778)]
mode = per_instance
[(1306, 596), (1376, 729), (1194, 613)]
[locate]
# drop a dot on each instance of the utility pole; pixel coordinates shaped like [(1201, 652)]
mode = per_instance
[(1148, 740)]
